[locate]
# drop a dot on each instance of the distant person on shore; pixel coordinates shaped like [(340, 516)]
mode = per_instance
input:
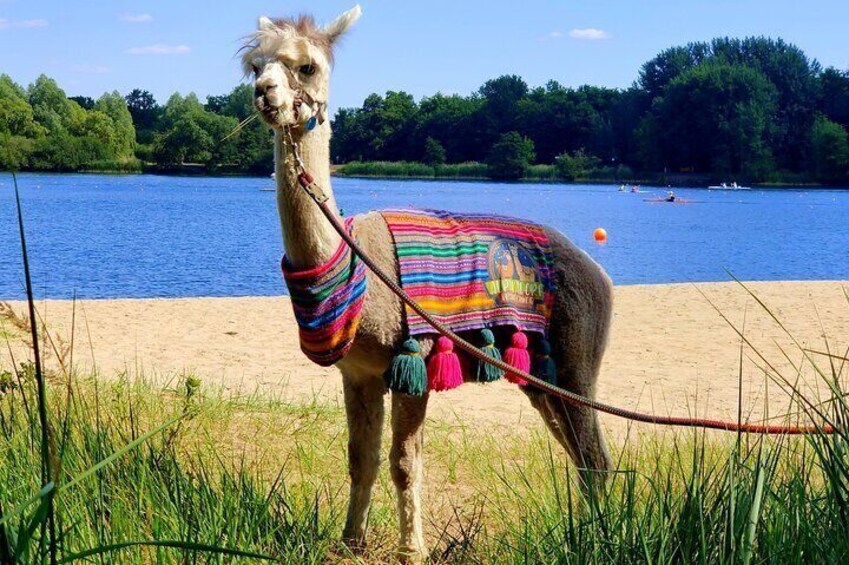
[(670, 196)]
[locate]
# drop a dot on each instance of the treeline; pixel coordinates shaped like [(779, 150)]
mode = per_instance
[(755, 109), (42, 129), (749, 110)]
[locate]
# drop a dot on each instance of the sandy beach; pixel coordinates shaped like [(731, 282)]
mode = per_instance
[(670, 351)]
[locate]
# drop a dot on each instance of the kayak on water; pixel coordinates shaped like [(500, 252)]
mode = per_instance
[(676, 200)]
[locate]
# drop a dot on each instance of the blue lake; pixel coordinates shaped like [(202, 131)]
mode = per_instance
[(105, 236)]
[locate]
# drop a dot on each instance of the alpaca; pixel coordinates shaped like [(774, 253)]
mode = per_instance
[(290, 61)]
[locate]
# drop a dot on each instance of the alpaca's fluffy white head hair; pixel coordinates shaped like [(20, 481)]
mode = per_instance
[(292, 50)]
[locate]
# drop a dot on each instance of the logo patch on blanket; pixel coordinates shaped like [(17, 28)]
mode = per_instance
[(473, 271), (513, 276)]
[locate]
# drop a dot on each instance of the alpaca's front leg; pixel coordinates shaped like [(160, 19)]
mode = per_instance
[(407, 470), (364, 408)]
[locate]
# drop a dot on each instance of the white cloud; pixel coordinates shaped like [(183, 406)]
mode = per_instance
[(6, 24), (95, 69), (160, 49), (590, 33), (136, 18)]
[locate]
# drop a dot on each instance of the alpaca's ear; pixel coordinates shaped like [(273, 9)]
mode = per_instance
[(265, 24), (340, 25)]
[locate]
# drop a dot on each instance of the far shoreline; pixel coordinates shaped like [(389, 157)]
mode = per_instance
[(460, 179)]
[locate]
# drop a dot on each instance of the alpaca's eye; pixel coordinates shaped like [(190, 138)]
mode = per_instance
[(308, 70), (256, 69)]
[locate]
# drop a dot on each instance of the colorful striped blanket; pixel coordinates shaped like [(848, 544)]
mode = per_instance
[(327, 301), (473, 271)]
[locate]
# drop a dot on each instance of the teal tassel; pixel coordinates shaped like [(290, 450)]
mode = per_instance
[(544, 367), (408, 373), (486, 372)]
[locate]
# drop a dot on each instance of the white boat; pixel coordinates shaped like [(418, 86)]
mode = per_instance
[(726, 186), (273, 189)]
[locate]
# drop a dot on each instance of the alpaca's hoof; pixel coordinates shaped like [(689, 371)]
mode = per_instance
[(412, 556), (356, 543)]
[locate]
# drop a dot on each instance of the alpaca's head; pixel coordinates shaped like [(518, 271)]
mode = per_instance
[(290, 62)]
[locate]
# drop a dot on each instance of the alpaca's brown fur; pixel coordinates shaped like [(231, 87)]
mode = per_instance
[(579, 324)]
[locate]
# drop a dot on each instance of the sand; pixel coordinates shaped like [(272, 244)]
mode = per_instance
[(670, 351)]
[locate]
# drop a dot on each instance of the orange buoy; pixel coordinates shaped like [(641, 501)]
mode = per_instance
[(600, 235)]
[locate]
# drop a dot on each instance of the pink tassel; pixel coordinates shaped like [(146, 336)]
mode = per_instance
[(443, 367), (517, 355)]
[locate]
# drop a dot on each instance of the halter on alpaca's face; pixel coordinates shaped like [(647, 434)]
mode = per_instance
[(290, 61)]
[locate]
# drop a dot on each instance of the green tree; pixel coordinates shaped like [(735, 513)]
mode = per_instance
[(85, 102), (145, 113), (668, 65), (451, 120), (716, 118), (510, 157), (498, 115), (51, 108), (15, 152), (113, 105), (18, 128), (829, 151), (834, 96), (252, 148), (191, 134), (434, 153)]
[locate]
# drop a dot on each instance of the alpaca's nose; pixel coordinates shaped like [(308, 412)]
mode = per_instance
[(264, 90)]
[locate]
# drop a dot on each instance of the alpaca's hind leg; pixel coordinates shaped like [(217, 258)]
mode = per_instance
[(406, 468), (364, 408), (583, 438), (578, 431)]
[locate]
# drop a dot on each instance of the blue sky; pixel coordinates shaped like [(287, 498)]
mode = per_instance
[(91, 46)]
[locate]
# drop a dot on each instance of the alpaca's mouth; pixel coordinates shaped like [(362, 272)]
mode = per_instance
[(274, 116)]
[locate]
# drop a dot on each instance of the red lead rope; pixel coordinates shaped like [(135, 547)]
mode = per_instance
[(320, 198)]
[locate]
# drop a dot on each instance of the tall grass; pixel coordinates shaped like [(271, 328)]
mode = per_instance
[(132, 165), (393, 169), (266, 476), (173, 488), (471, 170), (403, 169)]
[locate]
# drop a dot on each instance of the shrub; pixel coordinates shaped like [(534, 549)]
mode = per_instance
[(575, 165), (434, 152), (510, 157)]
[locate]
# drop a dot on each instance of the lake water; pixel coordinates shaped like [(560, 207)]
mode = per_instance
[(156, 236)]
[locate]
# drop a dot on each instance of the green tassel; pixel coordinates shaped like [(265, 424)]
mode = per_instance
[(408, 373), (486, 372), (543, 366)]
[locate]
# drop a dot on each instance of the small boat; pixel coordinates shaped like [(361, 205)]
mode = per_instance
[(666, 200), (726, 186), (274, 189)]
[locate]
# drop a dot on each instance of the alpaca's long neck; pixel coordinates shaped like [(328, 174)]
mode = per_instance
[(308, 237)]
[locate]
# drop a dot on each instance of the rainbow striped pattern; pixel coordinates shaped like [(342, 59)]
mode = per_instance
[(473, 271), (327, 301)]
